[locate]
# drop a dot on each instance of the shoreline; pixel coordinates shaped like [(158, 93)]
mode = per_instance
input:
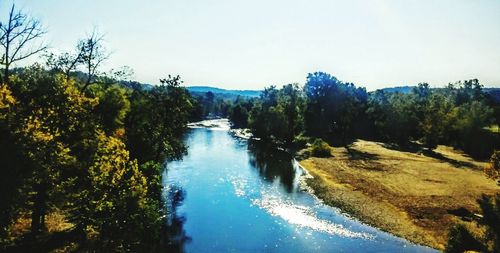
[(407, 194), (313, 184)]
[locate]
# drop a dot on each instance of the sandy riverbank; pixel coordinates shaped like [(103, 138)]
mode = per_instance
[(413, 195)]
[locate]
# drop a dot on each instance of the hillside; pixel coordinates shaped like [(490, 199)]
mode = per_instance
[(204, 89)]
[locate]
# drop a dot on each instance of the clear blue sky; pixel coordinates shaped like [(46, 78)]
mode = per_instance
[(244, 44)]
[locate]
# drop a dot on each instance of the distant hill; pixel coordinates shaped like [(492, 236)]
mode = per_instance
[(400, 89), (204, 89), (494, 93)]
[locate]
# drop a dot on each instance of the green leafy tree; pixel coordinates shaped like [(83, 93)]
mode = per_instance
[(278, 114), (113, 206), (320, 148), (48, 124), (493, 168), (157, 120), (239, 116), (332, 105), (436, 120), (112, 108)]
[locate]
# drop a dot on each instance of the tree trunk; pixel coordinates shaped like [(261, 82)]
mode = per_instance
[(6, 74), (39, 209)]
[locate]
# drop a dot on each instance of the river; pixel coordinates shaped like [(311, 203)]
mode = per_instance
[(229, 195)]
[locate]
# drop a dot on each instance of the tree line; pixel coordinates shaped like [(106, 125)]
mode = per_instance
[(459, 114)]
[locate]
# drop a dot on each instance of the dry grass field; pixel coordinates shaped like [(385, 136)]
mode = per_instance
[(413, 194)]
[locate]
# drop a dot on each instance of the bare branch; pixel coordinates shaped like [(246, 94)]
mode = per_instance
[(94, 54), (15, 35)]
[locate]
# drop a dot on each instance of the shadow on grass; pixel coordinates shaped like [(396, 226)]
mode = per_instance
[(360, 155), (407, 147), (453, 162), (463, 214), (419, 149)]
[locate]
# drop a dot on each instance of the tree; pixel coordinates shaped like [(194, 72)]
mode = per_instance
[(66, 62), (239, 116), (493, 168), (279, 114), (332, 105), (16, 35), (264, 119), (157, 121), (112, 108), (113, 204), (93, 54), (468, 122), (14, 165), (394, 116), (50, 124), (436, 120), (461, 239), (208, 100), (292, 103), (320, 148)]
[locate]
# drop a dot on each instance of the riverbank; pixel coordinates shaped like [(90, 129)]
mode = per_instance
[(410, 194)]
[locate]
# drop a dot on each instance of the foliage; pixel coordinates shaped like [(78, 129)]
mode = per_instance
[(212, 105), (490, 208), (462, 239), (320, 148), (436, 120), (112, 108), (65, 149), (157, 120), (278, 114), (493, 168), (393, 116), (116, 202), (48, 124), (332, 105)]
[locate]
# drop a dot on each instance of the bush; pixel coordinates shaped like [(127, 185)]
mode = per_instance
[(460, 240), (300, 141), (320, 148), (493, 169)]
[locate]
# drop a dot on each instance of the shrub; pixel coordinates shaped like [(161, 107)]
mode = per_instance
[(461, 239), (320, 148), (300, 141), (493, 169)]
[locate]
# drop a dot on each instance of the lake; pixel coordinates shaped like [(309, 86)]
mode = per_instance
[(231, 195)]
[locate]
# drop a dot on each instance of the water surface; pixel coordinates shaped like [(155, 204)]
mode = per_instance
[(227, 195)]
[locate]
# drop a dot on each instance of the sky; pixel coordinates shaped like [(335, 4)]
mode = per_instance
[(242, 44)]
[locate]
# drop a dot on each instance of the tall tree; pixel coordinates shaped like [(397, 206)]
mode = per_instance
[(92, 56), (157, 120), (16, 37), (332, 105)]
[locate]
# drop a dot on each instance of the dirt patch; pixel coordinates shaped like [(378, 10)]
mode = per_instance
[(412, 194)]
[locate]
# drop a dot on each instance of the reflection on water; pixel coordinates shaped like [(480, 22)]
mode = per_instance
[(227, 195), (272, 164), (277, 165), (177, 237)]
